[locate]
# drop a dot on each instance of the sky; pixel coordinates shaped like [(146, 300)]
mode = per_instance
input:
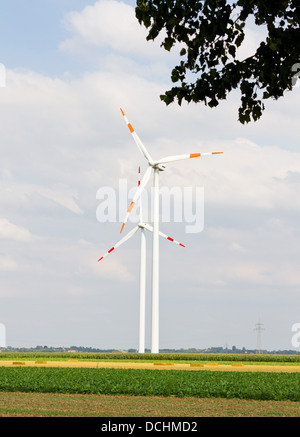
[(70, 66)]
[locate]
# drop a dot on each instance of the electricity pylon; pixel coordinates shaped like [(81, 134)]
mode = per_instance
[(259, 328)]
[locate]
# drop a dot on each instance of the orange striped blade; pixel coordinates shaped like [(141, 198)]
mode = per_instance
[(128, 124), (195, 155), (130, 128), (129, 210), (131, 206)]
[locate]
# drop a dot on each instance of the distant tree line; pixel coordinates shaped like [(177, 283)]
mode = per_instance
[(84, 349)]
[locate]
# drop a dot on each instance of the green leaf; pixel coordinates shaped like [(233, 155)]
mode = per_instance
[(232, 50), (168, 43)]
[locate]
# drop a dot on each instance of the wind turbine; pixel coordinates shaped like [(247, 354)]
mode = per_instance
[(143, 227), (156, 166)]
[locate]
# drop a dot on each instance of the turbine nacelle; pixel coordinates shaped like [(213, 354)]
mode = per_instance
[(160, 167), (142, 225)]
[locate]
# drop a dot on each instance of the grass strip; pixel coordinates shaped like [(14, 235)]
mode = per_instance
[(141, 382)]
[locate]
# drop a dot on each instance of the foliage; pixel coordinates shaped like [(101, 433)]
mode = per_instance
[(210, 32), (242, 385)]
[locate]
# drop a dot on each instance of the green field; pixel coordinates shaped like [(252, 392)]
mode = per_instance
[(141, 382), (178, 357), (226, 393)]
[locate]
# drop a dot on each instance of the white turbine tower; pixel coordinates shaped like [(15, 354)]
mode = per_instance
[(156, 166), (142, 226)]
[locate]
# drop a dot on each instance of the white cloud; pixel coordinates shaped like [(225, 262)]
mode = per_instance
[(112, 270), (8, 264), (112, 26), (62, 195), (29, 197), (11, 231), (253, 36)]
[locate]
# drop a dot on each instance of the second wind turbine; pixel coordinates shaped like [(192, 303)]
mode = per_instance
[(156, 166), (142, 226)]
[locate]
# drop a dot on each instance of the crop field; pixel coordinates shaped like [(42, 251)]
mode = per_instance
[(144, 382), (245, 386), (177, 357)]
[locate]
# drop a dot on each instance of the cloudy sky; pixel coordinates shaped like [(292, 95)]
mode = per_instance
[(70, 65)]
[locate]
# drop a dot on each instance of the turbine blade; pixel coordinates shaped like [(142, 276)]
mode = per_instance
[(140, 202), (127, 236), (185, 156), (142, 185), (139, 181), (136, 138), (150, 228)]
